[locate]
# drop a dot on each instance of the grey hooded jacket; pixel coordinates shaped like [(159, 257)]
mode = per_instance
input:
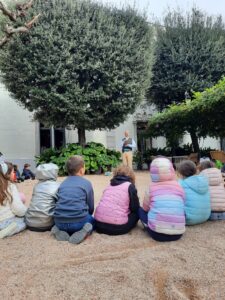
[(40, 212)]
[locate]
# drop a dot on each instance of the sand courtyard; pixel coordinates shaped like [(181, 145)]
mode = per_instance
[(133, 266)]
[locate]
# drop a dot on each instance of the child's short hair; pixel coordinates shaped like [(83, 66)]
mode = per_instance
[(207, 164), (187, 168), (26, 165), (74, 164), (123, 170)]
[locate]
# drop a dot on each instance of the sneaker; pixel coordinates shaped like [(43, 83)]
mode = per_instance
[(60, 235), (144, 225), (8, 231), (79, 236)]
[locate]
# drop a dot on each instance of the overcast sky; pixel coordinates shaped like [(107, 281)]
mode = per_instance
[(158, 7)]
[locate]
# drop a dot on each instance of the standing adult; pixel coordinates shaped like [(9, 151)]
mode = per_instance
[(128, 144)]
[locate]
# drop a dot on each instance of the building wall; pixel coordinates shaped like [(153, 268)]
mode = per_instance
[(18, 134), (109, 138)]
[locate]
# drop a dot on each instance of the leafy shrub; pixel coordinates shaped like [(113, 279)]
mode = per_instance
[(97, 158)]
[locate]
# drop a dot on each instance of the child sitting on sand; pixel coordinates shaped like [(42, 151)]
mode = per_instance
[(216, 188), (197, 198), (11, 207), (163, 207), (75, 205), (39, 216), (27, 173), (117, 212)]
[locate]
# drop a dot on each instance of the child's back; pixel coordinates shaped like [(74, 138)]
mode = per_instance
[(166, 200), (73, 200), (39, 215), (75, 205), (216, 188), (197, 197), (11, 206), (117, 211)]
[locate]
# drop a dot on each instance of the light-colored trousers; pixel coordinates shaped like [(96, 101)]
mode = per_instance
[(128, 159)]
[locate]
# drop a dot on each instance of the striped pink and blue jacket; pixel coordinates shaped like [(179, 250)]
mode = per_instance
[(165, 204)]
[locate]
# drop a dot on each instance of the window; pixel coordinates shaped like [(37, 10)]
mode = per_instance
[(51, 137)]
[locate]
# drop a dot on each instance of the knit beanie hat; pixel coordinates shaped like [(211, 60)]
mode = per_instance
[(161, 169)]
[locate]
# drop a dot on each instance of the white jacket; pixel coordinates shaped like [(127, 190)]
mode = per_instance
[(13, 208)]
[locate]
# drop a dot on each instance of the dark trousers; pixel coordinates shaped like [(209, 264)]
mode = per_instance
[(41, 229), (74, 227), (160, 237), (112, 229)]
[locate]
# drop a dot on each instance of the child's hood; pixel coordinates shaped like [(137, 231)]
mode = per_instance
[(214, 176), (47, 172), (161, 169), (197, 183)]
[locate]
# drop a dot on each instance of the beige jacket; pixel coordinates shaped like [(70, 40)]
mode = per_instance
[(216, 187)]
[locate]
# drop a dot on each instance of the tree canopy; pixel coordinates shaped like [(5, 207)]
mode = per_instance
[(190, 56), (204, 115), (83, 65)]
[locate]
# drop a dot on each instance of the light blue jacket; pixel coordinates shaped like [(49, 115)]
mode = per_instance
[(197, 199)]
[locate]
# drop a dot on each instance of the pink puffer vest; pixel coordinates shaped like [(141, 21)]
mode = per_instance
[(114, 205)]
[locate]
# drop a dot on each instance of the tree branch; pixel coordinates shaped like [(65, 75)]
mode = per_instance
[(7, 12), (20, 13)]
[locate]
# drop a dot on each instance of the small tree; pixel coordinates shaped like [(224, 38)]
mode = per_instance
[(203, 115), (84, 65), (190, 52)]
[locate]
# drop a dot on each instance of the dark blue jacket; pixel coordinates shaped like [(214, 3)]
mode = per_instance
[(28, 174), (75, 200)]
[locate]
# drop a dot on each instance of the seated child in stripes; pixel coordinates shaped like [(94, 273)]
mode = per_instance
[(216, 189), (163, 208)]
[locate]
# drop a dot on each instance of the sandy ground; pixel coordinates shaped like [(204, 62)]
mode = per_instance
[(133, 266)]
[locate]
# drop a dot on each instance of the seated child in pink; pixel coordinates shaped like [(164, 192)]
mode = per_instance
[(163, 208), (117, 212)]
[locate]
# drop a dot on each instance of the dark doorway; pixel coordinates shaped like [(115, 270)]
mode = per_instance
[(45, 138), (143, 142), (59, 137)]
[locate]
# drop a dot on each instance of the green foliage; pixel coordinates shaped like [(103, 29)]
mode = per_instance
[(97, 158), (218, 164), (204, 115), (83, 64), (190, 56)]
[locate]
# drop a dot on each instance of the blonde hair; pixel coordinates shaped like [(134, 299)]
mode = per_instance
[(123, 170)]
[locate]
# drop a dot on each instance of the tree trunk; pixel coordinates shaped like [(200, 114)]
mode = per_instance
[(81, 137), (195, 143)]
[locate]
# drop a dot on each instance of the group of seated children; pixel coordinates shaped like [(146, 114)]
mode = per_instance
[(26, 174), (67, 209)]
